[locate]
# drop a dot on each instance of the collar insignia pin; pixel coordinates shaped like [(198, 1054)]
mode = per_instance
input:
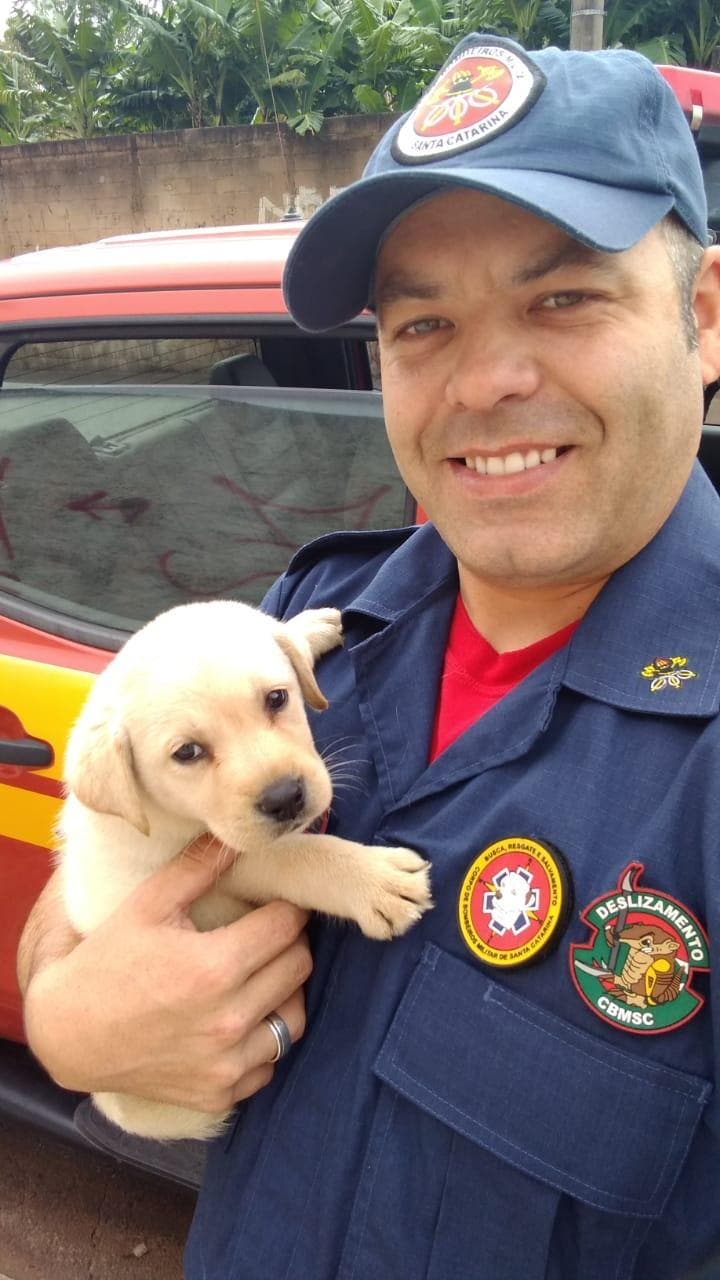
[(664, 672), (637, 971)]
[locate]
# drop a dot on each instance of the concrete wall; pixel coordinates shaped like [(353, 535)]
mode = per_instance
[(70, 192)]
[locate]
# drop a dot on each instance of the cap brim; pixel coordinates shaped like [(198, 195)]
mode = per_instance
[(330, 267)]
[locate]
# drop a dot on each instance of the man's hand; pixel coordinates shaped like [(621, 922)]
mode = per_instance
[(148, 1005)]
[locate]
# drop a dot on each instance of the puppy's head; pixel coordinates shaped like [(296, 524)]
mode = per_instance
[(201, 717)]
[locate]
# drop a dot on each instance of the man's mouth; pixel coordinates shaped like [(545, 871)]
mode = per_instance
[(510, 464)]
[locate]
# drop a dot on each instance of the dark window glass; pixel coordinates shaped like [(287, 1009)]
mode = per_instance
[(116, 503)]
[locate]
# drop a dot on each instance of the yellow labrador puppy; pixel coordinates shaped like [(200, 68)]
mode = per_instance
[(199, 725)]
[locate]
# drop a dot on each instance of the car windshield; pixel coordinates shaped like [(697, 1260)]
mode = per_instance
[(118, 501)]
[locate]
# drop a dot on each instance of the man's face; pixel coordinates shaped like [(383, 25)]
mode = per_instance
[(541, 399)]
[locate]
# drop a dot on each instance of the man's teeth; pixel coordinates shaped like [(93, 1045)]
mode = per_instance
[(510, 463)]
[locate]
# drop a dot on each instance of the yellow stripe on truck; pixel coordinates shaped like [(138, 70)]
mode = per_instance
[(47, 700), (27, 816)]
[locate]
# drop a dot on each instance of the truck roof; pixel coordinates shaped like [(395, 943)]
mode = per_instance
[(203, 257)]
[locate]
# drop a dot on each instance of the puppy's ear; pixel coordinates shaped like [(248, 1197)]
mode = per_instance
[(99, 770), (298, 651), (317, 631)]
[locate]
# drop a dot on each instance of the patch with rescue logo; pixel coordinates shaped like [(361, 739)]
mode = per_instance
[(515, 902), (637, 972), (482, 90)]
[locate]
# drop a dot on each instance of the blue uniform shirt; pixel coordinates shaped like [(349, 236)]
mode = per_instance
[(441, 1119)]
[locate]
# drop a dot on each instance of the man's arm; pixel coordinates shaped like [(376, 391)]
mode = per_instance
[(146, 1004), (47, 936)]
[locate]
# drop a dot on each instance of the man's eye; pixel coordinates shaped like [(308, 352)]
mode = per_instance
[(276, 699), (189, 752), (422, 327), (561, 301)]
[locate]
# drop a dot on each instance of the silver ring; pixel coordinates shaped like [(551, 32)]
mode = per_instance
[(281, 1032)]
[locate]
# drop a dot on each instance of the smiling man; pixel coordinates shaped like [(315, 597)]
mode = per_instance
[(513, 361), (524, 1086)]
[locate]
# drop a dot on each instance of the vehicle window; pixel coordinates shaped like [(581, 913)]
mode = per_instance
[(290, 359), (124, 360), (116, 503)]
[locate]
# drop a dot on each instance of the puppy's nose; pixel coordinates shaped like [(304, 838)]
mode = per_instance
[(284, 800)]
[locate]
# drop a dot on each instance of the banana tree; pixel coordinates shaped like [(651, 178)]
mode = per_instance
[(189, 46), (703, 35), (76, 47), (316, 82), (535, 22), (288, 55), (20, 117), (675, 31)]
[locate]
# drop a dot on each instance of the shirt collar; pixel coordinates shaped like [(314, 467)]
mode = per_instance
[(415, 572), (663, 605)]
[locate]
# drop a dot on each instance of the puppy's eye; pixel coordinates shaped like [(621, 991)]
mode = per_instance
[(276, 699), (189, 752)]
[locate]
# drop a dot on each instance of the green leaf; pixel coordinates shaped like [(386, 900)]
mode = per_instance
[(663, 49), (292, 79), (369, 99), (307, 122)]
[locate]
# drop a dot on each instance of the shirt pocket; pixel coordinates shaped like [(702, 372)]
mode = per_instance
[(509, 1144)]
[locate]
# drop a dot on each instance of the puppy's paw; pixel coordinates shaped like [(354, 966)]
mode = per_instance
[(398, 892), (322, 628)]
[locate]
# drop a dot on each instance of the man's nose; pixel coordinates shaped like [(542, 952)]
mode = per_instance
[(489, 368)]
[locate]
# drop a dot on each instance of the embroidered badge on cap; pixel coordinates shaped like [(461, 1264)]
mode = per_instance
[(667, 672), (482, 90), (515, 902), (637, 974)]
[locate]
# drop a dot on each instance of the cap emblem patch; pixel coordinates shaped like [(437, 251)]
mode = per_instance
[(515, 902), (667, 673), (637, 972), (482, 90)]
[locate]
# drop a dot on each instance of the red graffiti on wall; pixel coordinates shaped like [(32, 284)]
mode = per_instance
[(271, 548), (96, 505), (276, 540)]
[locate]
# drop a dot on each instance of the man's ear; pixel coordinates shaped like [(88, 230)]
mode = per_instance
[(707, 312), (99, 768)]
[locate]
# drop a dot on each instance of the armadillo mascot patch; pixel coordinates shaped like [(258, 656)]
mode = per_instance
[(637, 973)]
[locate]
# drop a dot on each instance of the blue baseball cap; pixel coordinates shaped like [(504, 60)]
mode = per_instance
[(596, 143)]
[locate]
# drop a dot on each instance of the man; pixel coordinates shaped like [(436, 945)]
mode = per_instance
[(521, 1088)]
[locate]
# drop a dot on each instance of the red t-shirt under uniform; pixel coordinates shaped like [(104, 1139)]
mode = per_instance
[(475, 676)]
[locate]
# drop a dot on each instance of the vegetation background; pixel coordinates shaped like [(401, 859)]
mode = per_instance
[(76, 68)]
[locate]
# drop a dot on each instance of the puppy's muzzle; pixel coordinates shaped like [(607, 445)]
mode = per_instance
[(284, 800)]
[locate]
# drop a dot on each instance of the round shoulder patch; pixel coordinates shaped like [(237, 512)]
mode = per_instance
[(483, 89), (515, 902)]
